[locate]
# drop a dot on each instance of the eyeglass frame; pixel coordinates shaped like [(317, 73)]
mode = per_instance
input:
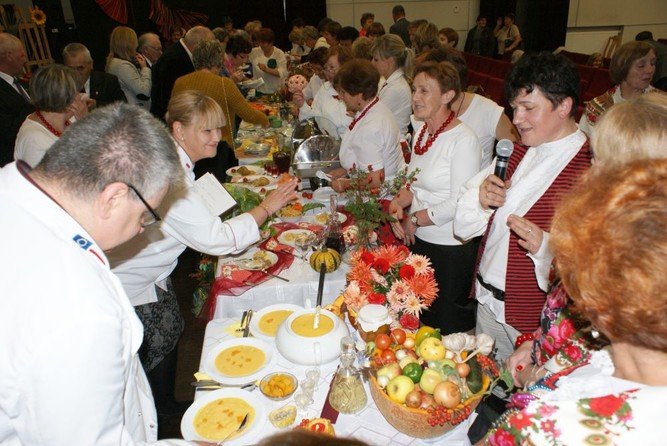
[(153, 212)]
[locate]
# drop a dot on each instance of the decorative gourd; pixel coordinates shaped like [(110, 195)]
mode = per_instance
[(328, 256)]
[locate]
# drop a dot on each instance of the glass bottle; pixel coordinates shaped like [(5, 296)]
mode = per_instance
[(347, 391), (334, 229)]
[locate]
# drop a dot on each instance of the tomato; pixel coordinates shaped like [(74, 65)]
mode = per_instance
[(398, 335), (382, 341), (413, 371), (388, 356)]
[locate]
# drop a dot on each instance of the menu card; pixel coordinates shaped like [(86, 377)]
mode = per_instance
[(214, 195)]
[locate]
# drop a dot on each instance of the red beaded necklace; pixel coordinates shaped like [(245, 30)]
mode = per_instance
[(48, 126), (419, 150), (363, 113)]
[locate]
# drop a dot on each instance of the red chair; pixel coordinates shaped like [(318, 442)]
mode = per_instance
[(495, 90), (484, 65), (472, 61), (586, 73), (600, 83), (500, 68), (477, 78), (583, 86)]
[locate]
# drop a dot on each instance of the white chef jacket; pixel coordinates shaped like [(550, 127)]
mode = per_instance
[(271, 83), (535, 173), (395, 92), (327, 105), (313, 86), (69, 337), (147, 260), (374, 141)]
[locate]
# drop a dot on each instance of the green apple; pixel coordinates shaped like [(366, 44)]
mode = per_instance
[(448, 362), (430, 378), (391, 371), (399, 387), (431, 349)]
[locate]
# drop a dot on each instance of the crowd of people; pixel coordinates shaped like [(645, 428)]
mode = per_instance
[(561, 261)]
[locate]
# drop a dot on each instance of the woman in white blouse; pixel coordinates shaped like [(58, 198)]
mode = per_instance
[(144, 264), (447, 154), (55, 95), (129, 66), (268, 62), (394, 62), (372, 143), (326, 102)]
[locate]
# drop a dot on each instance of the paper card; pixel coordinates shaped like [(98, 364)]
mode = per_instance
[(214, 195)]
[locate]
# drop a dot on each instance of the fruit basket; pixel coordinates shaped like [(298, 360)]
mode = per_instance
[(414, 422)]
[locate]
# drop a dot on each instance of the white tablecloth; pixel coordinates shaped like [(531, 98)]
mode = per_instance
[(367, 425), (300, 290)]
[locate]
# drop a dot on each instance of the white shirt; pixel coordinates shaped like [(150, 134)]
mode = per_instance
[(452, 160), (70, 372), (482, 117), (147, 260), (314, 85), (271, 83), (537, 170), (373, 141), (32, 142), (328, 106), (132, 80), (395, 92), (321, 42)]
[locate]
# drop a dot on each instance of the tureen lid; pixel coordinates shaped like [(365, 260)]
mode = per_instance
[(373, 316)]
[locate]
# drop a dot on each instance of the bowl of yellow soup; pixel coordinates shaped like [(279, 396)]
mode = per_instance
[(301, 343), (265, 322), (239, 361)]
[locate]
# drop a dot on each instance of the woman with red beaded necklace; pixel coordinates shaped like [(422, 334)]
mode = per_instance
[(54, 93), (447, 153)]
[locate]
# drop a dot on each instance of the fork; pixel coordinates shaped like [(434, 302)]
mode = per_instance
[(238, 429)]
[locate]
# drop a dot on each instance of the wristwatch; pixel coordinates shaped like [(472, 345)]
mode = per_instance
[(414, 220)]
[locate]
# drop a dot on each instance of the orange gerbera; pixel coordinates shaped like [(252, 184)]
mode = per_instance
[(392, 253), (359, 272), (424, 287)]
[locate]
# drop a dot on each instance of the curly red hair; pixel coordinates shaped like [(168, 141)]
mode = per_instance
[(609, 239)]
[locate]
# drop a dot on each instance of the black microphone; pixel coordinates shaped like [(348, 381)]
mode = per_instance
[(504, 150)]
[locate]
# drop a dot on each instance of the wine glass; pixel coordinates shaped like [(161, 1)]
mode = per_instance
[(303, 243)]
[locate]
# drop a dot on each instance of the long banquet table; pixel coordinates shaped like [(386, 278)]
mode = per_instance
[(367, 425)]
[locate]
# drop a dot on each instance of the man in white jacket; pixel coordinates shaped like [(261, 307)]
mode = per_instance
[(69, 336)]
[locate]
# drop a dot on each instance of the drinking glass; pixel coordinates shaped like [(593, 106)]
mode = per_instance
[(303, 244), (282, 160)]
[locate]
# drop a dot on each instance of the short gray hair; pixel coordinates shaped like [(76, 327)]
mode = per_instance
[(310, 32), (8, 42), (73, 49), (207, 54), (197, 34), (145, 39), (53, 88), (117, 143)]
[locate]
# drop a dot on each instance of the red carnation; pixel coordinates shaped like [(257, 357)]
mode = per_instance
[(606, 406), (406, 272), (376, 298), (520, 421), (382, 265), (367, 258), (501, 438), (409, 322)]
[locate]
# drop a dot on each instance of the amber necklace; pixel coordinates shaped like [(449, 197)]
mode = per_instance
[(363, 113), (419, 150), (46, 124)]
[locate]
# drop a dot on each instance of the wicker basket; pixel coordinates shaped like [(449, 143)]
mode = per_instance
[(413, 422)]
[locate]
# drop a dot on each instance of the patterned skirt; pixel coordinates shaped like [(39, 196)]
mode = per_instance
[(163, 326)]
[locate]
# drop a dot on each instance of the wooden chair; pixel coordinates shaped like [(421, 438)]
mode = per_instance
[(34, 39), (613, 42)]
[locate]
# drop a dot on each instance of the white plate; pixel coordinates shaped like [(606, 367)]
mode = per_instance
[(245, 260), (233, 171), (321, 218), (288, 237), (213, 372), (247, 182), (252, 83), (322, 195), (254, 322), (250, 432)]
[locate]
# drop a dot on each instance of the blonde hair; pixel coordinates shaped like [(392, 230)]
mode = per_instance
[(390, 45), (635, 129), (193, 107), (122, 44)]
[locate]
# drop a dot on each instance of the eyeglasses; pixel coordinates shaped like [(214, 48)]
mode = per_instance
[(149, 217)]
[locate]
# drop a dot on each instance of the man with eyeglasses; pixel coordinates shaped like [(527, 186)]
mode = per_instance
[(150, 47), (101, 87), (69, 335)]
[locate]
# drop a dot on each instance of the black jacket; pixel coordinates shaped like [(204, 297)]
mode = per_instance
[(173, 64), (13, 111), (105, 89)]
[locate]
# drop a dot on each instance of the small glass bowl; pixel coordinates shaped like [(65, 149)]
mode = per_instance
[(284, 385)]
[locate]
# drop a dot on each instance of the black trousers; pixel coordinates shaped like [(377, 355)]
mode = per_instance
[(452, 311)]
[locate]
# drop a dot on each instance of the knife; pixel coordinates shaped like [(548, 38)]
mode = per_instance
[(246, 329), (244, 317)]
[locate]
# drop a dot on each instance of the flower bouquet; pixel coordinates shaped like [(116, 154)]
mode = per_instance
[(391, 276)]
